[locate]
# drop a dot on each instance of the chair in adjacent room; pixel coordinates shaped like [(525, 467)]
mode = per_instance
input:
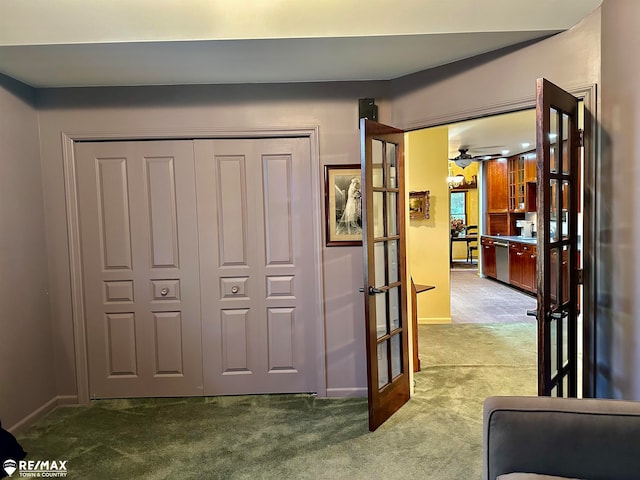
[(472, 245)]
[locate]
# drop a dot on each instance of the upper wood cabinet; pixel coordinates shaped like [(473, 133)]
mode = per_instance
[(496, 185), (530, 161), (516, 183)]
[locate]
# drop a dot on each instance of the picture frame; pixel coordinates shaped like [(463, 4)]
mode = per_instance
[(419, 204), (343, 205)]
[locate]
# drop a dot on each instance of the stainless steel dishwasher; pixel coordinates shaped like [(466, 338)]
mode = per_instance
[(502, 261)]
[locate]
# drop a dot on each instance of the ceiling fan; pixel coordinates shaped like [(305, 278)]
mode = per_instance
[(464, 159)]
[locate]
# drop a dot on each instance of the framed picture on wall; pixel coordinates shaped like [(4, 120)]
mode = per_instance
[(343, 205), (419, 204)]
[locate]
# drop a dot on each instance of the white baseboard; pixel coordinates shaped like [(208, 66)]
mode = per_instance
[(41, 411), (347, 392), (434, 321)]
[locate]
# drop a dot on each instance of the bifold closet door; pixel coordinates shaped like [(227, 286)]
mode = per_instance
[(256, 265), (137, 208)]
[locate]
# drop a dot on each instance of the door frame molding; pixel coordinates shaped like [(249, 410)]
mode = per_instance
[(588, 94), (73, 225)]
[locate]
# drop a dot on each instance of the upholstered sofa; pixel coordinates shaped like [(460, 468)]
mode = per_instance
[(542, 438)]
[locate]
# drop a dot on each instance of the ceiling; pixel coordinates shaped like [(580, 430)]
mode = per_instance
[(66, 43), (512, 133)]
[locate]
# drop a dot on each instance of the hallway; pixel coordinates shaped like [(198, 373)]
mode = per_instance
[(481, 300)]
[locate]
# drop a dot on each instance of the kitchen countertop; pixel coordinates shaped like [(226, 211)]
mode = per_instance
[(513, 238)]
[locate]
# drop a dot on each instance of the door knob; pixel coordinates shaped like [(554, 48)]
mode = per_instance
[(372, 290), (164, 292), (234, 290), (558, 315)]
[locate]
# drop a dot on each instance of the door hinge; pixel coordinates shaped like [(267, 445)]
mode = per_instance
[(580, 276), (580, 137)]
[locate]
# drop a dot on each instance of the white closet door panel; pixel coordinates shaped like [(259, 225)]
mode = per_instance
[(161, 188), (113, 212), (277, 184), (234, 345), (257, 330), (168, 343), (140, 268), (231, 191), (121, 344)]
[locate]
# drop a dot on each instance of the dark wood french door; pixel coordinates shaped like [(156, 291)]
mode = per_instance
[(558, 176), (385, 285)]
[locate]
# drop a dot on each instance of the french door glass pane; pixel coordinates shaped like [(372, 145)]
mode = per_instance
[(392, 260), (554, 209), (382, 328), (566, 198), (394, 308), (557, 276), (396, 356), (383, 366), (566, 167), (378, 214), (392, 173), (553, 139), (380, 279), (376, 157), (565, 341), (392, 216), (553, 351), (564, 271)]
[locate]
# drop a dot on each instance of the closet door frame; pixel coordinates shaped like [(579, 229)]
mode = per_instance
[(73, 228)]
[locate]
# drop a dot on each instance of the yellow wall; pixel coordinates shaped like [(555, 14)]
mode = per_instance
[(428, 240), (473, 207)]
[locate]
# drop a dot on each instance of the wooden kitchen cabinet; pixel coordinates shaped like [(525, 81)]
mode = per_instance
[(529, 268), (516, 183), (510, 186), (497, 224), (522, 266), (496, 185), (530, 161), (495, 175), (488, 257), (515, 264)]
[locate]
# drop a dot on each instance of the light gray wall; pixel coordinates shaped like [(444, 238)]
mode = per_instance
[(332, 107), (474, 86), (619, 212), (26, 355)]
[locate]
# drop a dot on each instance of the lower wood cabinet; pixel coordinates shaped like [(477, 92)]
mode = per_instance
[(515, 264), (529, 268), (522, 266), (522, 263), (488, 257)]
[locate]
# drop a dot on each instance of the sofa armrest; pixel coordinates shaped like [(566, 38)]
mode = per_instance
[(591, 439)]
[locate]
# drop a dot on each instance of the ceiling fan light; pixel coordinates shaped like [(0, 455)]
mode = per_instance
[(463, 162)]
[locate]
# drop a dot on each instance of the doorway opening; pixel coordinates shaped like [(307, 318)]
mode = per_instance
[(492, 284), (474, 298)]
